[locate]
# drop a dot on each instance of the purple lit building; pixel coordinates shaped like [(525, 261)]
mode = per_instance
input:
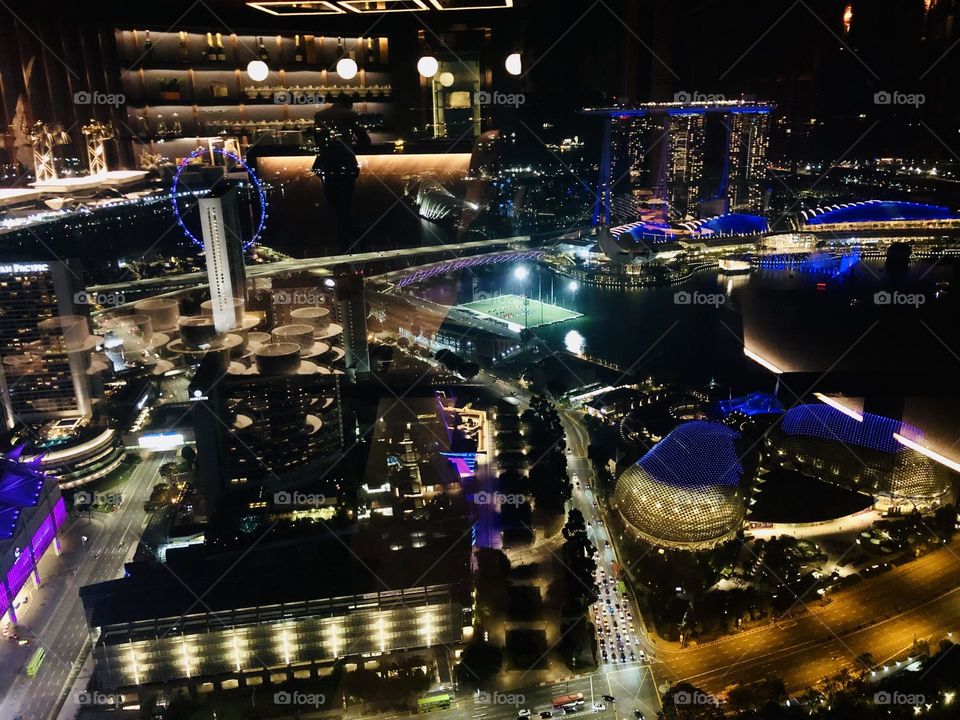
[(31, 514)]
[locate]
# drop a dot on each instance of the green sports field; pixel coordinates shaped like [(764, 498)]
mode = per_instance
[(509, 308)]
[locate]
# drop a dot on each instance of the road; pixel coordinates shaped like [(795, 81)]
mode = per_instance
[(882, 616), (625, 659), (304, 264), (56, 621)]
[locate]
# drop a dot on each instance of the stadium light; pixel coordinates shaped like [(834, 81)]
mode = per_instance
[(573, 286), (521, 272)]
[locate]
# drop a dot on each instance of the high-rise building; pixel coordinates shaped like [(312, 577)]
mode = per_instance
[(271, 428), (353, 315), (748, 135), (223, 248), (45, 345), (668, 153), (681, 174)]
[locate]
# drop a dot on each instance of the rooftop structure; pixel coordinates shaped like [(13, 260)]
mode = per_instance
[(868, 452), (686, 491), (31, 512)]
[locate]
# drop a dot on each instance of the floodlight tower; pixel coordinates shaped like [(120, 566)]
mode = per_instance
[(97, 134), (44, 139)]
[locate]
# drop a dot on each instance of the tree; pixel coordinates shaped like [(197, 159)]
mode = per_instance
[(579, 562), (479, 662)]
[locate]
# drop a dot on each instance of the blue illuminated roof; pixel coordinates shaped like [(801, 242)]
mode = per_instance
[(21, 485), (878, 211), (758, 403), (729, 224), (696, 454), (875, 432)]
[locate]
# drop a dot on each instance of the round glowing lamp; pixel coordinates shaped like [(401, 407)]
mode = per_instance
[(513, 64), (446, 79), (257, 70), (428, 66), (347, 68)]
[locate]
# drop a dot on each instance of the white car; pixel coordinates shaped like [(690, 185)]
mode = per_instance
[(599, 706), (523, 713)]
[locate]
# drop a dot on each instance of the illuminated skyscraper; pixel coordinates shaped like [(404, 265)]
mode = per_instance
[(353, 315), (45, 346), (223, 247), (669, 152), (748, 135), (682, 171)]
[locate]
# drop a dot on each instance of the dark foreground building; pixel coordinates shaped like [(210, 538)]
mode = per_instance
[(281, 610)]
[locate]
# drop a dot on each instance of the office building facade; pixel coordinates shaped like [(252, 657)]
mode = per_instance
[(45, 345)]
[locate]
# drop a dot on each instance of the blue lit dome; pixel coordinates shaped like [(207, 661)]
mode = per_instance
[(866, 452), (870, 211), (728, 224), (685, 492)]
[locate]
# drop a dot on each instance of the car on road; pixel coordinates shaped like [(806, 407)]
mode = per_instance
[(546, 714), (638, 715), (599, 707), (608, 698), (523, 713)]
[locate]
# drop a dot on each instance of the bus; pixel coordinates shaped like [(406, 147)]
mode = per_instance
[(616, 570), (564, 700), (433, 702), (36, 661)]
